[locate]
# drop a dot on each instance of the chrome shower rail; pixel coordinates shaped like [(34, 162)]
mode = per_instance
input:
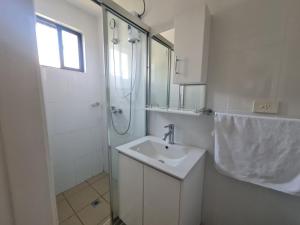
[(115, 8)]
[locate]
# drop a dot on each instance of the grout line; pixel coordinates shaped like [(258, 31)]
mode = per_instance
[(64, 199), (104, 220), (64, 192), (75, 213), (80, 221), (106, 174), (104, 197), (70, 205), (66, 219), (69, 216), (83, 207), (91, 186), (97, 190)]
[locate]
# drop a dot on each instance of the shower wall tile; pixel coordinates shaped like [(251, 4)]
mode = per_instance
[(76, 157), (76, 129), (65, 85), (69, 116)]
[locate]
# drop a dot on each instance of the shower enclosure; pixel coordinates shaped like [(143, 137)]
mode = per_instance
[(126, 75)]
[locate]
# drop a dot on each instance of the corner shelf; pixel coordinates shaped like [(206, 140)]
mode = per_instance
[(179, 111)]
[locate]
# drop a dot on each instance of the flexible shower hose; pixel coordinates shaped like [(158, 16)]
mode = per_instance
[(130, 95)]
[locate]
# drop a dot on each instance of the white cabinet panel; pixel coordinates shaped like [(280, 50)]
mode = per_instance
[(192, 45), (161, 198), (191, 195), (150, 197), (130, 190)]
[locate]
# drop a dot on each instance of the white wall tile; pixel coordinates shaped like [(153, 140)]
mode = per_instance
[(76, 156), (76, 129), (190, 130), (69, 116), (254, 54), (246, 54), (254, 75)]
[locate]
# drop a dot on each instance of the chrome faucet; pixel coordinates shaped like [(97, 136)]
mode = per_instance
[(169, 134)]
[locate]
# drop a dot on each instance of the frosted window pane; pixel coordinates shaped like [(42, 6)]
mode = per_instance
[(70, 50), (47, 43)]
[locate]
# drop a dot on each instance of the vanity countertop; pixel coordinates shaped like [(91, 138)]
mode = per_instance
[(175, 160)]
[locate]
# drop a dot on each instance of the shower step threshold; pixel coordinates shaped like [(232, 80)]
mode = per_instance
[(118, 221)]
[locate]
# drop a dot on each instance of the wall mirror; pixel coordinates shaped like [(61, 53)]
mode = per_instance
[(163, 93), (160, 74)]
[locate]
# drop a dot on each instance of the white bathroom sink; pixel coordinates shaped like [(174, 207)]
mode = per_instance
[(171, 155), (176, 160)]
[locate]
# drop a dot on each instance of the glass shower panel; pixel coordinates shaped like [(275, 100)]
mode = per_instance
[(127, 62)]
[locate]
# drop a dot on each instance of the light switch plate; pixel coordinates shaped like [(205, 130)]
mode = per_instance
[(265, 106)]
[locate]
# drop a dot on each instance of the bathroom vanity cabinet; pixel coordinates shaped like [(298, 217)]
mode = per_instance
[(130, 190), (192, 45), (150, 197)]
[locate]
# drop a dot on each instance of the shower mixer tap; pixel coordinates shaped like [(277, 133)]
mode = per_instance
[(116, 110), (113, 25), (115, 41)]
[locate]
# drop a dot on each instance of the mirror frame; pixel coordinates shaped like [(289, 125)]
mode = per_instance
[(163, 41)]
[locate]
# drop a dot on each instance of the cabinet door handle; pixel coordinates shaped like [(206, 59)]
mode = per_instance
[(176, 65)]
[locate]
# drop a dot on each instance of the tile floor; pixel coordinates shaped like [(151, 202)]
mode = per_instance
[(86, 204)]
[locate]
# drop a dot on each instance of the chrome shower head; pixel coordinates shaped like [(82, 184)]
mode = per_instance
[(133, 35), (113, 26)]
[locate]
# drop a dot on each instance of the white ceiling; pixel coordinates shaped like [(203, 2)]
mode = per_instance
[(159, 13), (136, 5), (169, 35), (87, 5), (216, 5)]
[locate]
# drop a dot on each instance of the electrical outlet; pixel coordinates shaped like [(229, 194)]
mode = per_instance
[(265, 106)]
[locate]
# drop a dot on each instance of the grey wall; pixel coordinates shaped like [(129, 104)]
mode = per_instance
[(254, 54), (6, 214), (22, 119)]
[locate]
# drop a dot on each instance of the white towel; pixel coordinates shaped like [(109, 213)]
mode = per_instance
[(260, 150)]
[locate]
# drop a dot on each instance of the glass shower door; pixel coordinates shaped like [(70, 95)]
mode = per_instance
[(126, 84)]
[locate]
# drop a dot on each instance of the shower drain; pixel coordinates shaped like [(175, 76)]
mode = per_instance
[(95, 203)]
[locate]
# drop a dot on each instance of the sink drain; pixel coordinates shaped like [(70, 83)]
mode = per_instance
[(162, 161)]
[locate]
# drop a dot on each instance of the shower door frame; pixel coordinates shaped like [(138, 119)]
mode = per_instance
[(116, 10)]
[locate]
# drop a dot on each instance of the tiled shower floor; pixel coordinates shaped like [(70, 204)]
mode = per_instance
[(75, 206)]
